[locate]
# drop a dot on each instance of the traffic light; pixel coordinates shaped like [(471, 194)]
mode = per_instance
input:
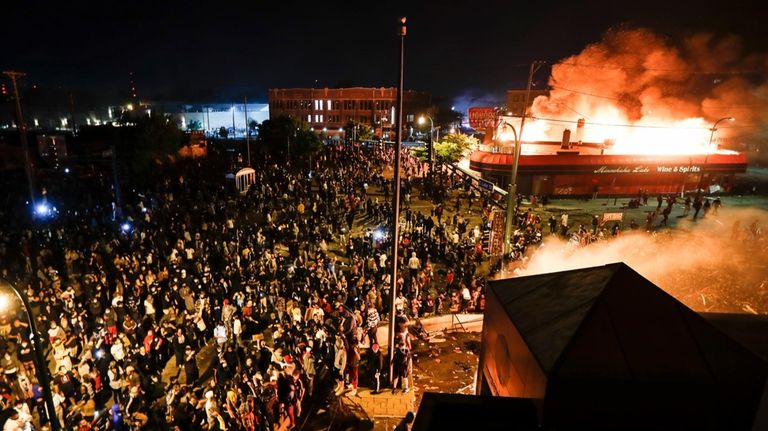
[(3, 90)]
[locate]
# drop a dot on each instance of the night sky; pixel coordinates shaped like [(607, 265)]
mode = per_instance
[(218, 50)]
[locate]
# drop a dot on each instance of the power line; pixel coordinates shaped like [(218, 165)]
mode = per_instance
[(640, 126), (585, 93), (642, 68), (737, 106)]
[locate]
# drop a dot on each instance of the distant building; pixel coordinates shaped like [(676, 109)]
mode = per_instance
[(516, 99), (329, 109), (213, 116)]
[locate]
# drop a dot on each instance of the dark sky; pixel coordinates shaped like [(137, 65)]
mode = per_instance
[(216, 50)]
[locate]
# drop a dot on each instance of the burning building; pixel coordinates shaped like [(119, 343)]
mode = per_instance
[(632, 112)]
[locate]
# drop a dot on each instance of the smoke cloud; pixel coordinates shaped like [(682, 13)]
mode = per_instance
[(717, 265), (638, 77)]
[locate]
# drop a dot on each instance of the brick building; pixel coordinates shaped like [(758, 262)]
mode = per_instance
[(329, 109)]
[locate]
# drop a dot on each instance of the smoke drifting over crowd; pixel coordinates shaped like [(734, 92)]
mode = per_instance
[(716, 266), (671, 93)]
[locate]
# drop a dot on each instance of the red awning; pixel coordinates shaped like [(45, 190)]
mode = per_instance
[(607, 159)]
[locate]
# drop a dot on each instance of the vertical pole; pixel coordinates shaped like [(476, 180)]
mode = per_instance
[(22, 127), (396, 203), (116, 179), (247, 130), (512, 195), (233, 122), (431, 148), (72, 113)]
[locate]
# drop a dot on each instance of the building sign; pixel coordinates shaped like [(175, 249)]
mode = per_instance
[(678, 169), (613, 217), (481, 118), (641, 169), (485, 185)]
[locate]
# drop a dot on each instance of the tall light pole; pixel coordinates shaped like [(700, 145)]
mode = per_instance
[(512, 195), (233, 121), (41, 366), (22, 127), (247, 130), (396, 203), (709, 147), (431, 155)]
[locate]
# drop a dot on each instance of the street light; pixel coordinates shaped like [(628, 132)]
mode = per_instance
[(512, 194), (709, 147), (422, 120), (40, 365), (714, 127), (396, 204), (232, 109)]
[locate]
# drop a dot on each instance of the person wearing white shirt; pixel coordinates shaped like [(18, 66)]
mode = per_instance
[(382, 262), (237, 328), (117, 350), (58, 405), (220, 333)]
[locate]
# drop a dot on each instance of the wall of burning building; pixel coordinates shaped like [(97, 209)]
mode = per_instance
[(685, 105), (653, 96)]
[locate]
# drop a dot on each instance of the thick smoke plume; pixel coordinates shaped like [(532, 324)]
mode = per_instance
[(717, 265), (638, 77)]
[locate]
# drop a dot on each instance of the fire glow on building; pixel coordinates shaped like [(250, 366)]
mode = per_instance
[(628, 113)]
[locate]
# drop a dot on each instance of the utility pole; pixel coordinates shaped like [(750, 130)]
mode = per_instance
[(72, 112), (247, 130), (22, 127), (512, 195), (233, 122), (396, 203), (116, 182)]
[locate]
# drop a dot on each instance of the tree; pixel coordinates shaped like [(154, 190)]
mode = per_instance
[(194, 125), (223, 132), (287, 136), (450, 149), (358, 131), (150, 140)]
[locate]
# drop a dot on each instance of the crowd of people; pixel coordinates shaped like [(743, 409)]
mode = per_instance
[(188, 307)]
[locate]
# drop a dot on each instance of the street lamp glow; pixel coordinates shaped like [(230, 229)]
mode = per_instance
[(129, 106), (714, 128), (422, 120), (506, 136), (42, 209), (5, 302), (452, 130)]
